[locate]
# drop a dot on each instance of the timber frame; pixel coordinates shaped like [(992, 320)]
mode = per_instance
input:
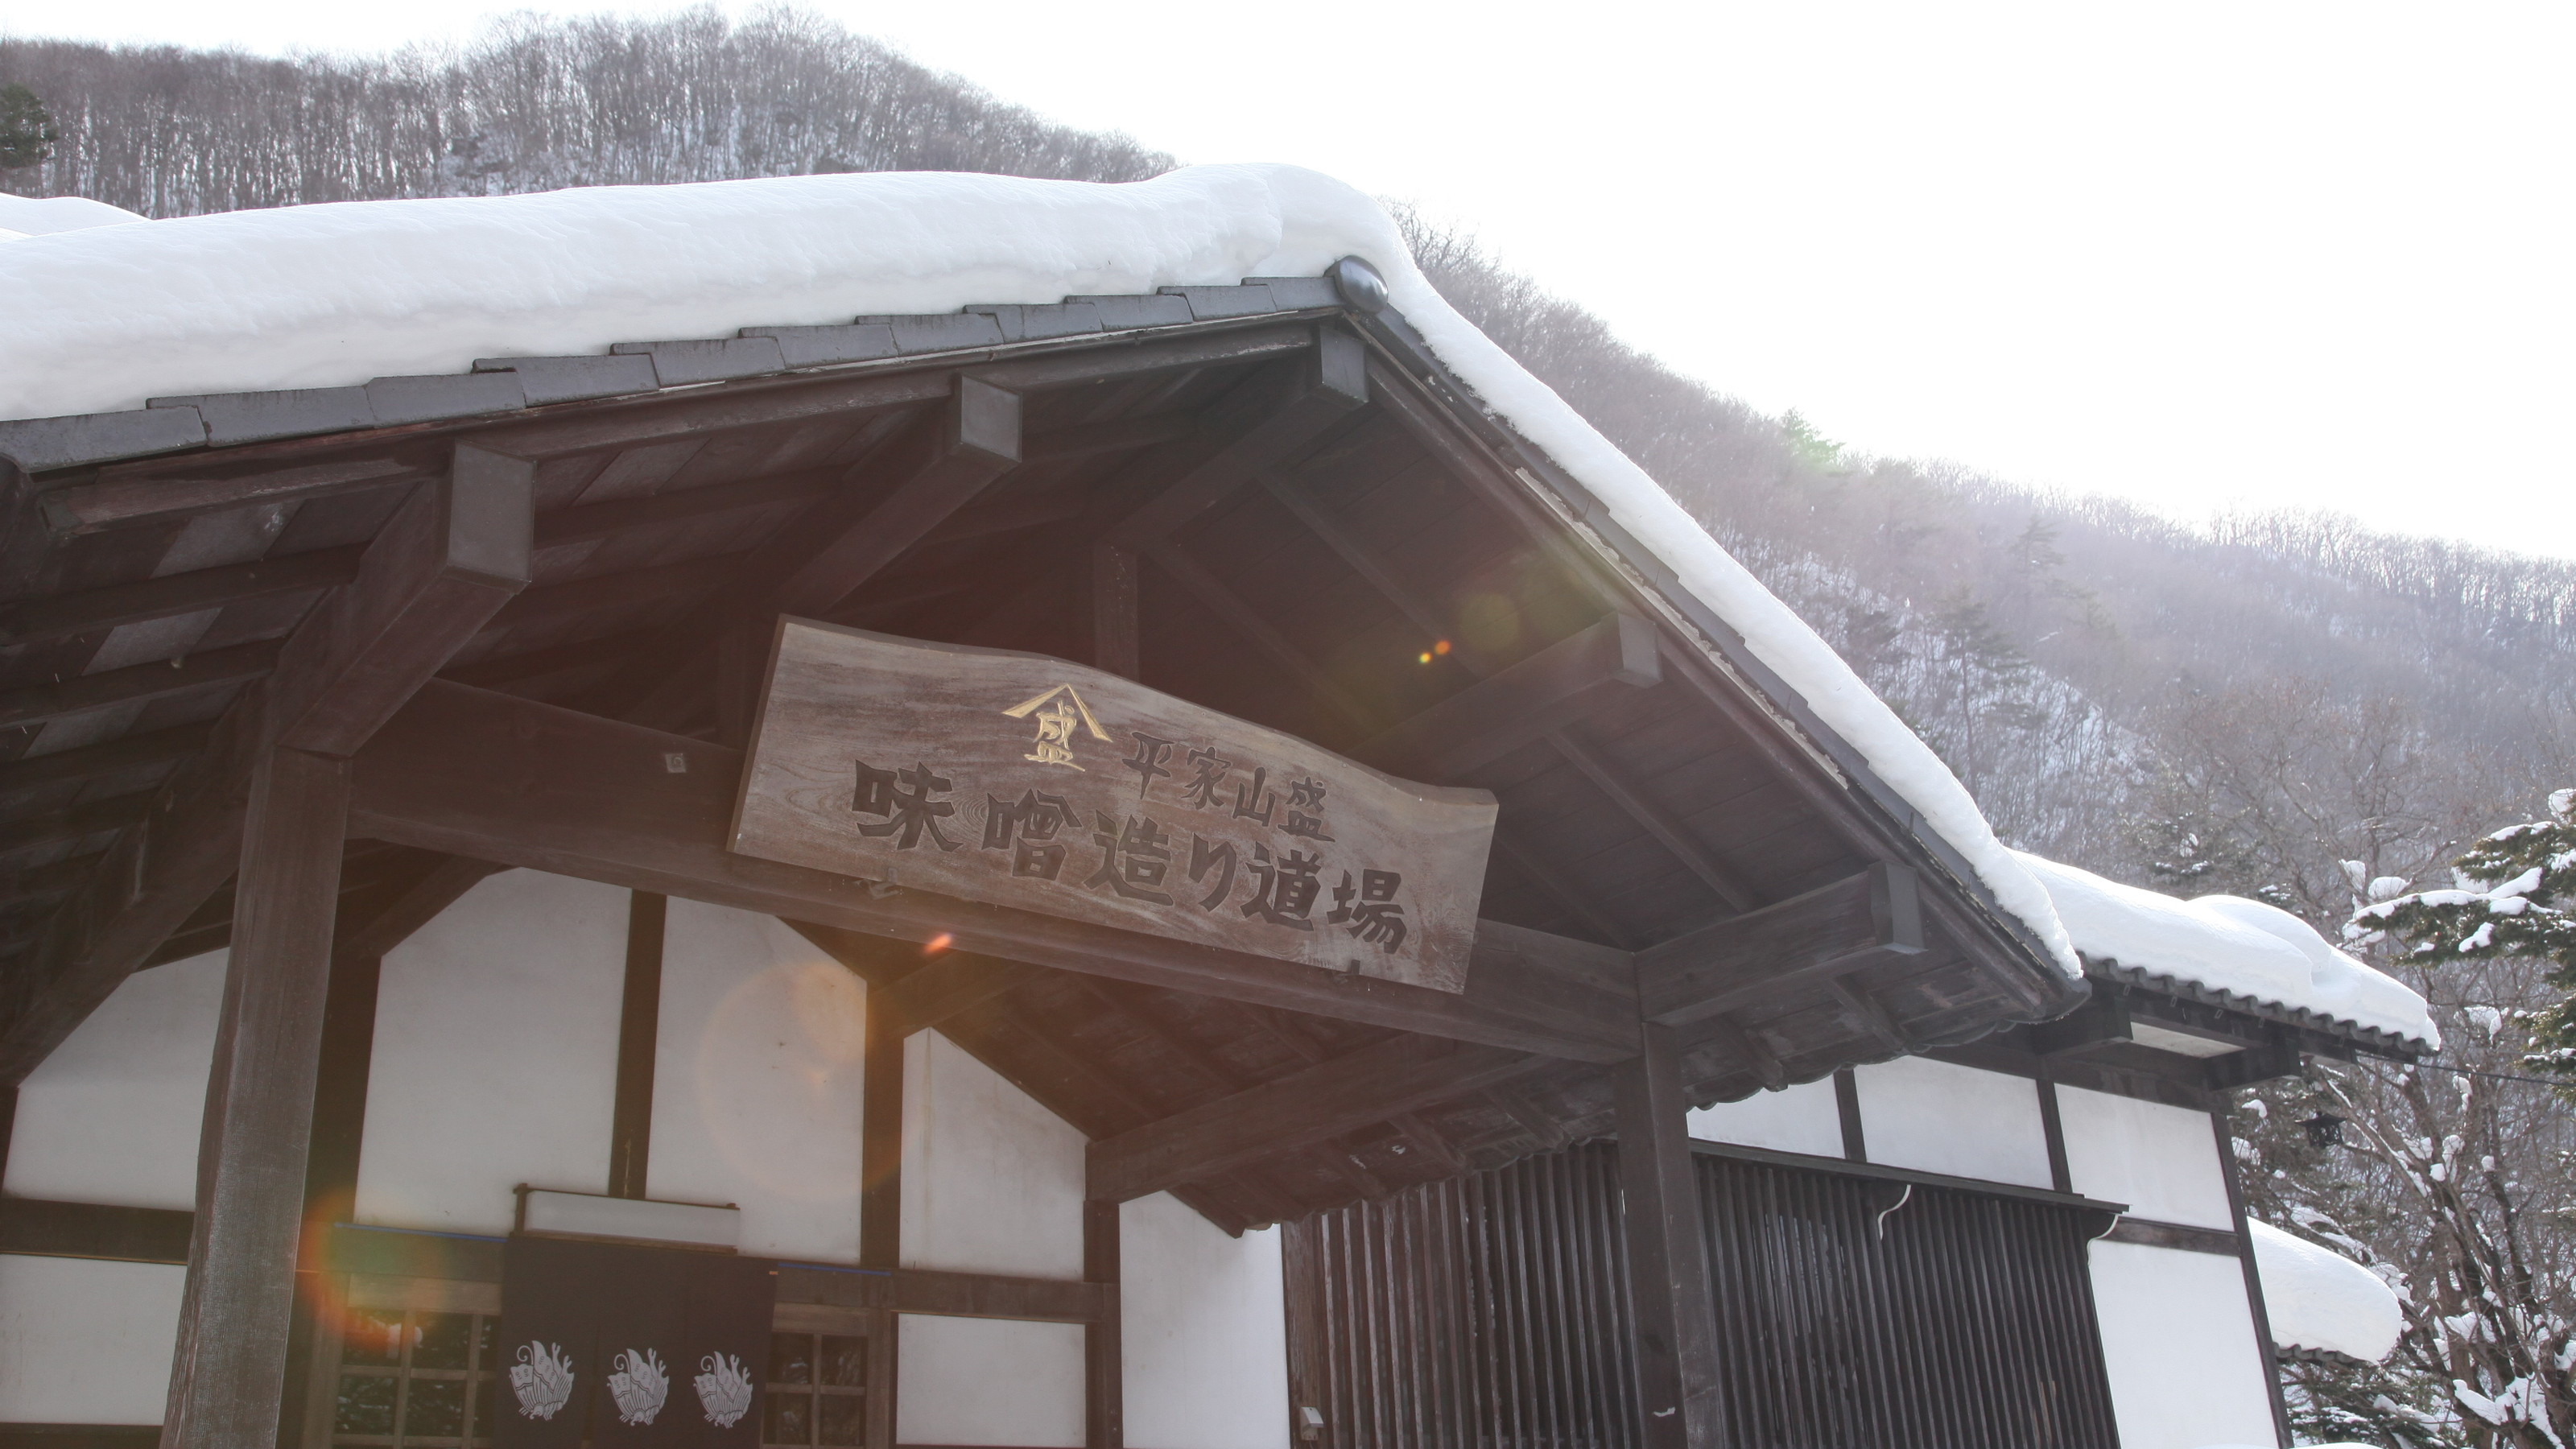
[(352, 649)]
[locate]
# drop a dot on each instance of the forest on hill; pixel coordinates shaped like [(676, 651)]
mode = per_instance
[(2288, 706)]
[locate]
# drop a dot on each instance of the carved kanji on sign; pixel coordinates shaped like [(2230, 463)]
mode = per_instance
[(1031, 783)]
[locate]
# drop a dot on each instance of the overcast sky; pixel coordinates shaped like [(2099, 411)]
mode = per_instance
[(2203, 256)]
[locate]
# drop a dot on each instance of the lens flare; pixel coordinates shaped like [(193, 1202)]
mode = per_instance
[(1440, 648), (937, 944)]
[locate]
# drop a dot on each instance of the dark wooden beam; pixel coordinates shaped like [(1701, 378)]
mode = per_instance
[(1247, 622), (1334, 381), (875, 514), (1117, 435), (591, 653), (952, 982), (996, 1295), (600, 520), (1298, 1110), (172, 491), (90, 611), (79, 822), (93, 1230), (2102, 1019), (639, 1017), (414, 905), (1679, 1385), (437, 570), (1736, 961), (1668, 829), (1867, 1012), (1520, 704), (137, 683), (133, 752), (473, 773), (44, 882), (1104, 1397), (228, 1371), (1748, 1050), (633, 422), (627, 589)]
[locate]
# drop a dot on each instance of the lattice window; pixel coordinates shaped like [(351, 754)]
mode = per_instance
[(817, 1391), (415, 1378)]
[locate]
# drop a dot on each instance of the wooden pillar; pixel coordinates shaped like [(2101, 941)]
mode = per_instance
[(639, 1035), (228, 1375), (881, 1191), (330, 1186), (1104, 1408), (1676, 1323)]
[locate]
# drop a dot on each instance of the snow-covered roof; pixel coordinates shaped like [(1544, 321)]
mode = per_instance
[(2230, 946), (2318, 1299), (25, 216), (336, 295)]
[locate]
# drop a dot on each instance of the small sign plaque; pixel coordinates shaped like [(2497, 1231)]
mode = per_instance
[(1026, 781)]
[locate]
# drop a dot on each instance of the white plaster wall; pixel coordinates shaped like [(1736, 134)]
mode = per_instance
[(1803, 1118), (992, 1182), (114, 1114), (988, 1381), (495, 1055), (756, 1082), (2162, 1161), (1203, 1328), (85, 1342), (1936, 1117), (2178, 1339)]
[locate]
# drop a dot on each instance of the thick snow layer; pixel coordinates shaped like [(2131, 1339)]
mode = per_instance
[(2228, 943), (321, 296), (2317, 1298), (26, 216)]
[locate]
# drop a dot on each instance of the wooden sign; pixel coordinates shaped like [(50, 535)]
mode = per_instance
[(1026, 781)]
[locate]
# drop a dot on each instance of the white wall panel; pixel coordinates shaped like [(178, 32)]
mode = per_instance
[(2178, 1339), (988, 1381), (114, 1114), (1803, 1118), (2162, 1161), (756, 1085), (1936, 1117), (85, 1342), (992, 1182), (1203, 1329), (495, 1054)]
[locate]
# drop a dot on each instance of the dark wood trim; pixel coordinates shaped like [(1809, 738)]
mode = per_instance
[(1847, 1110), (1679, 1382), (66, 616), (228, 1371), (1827, 931), (449, 558), (1520, 704), (45, 1229), (2052, 1126), (133, 752), (35, 704), (881, 1135), (2149, 1233), (630, 1134), (1333, 382), (1846, 1167), (2262, 1314), (994, 1295), (1297, 1110), (474, 773), (337, 1145), (174, 490), (1104, 1415), (599, 520), (80, 1436), (1113, 587)]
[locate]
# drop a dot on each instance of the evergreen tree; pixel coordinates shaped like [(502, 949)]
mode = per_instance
[(27, 130), (2514, 894)]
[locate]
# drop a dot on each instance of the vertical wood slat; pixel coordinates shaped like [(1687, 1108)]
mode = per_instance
[(639, 1021), (881, 1194), (1968, 1325), (228, 1375)]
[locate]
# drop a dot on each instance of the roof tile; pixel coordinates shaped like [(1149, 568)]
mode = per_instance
[(250, 417), (709, 359), (574, 379), (36, 444)]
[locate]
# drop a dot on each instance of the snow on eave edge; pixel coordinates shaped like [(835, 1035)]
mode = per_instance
[(2377, 1039), (1180, 229)]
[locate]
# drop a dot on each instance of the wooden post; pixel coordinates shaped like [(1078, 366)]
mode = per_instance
[(881, 1191), (639, 1021), (2261, 1313), (1104, 1413), (228, 1376), (330, 1187), (1676, 1323)]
